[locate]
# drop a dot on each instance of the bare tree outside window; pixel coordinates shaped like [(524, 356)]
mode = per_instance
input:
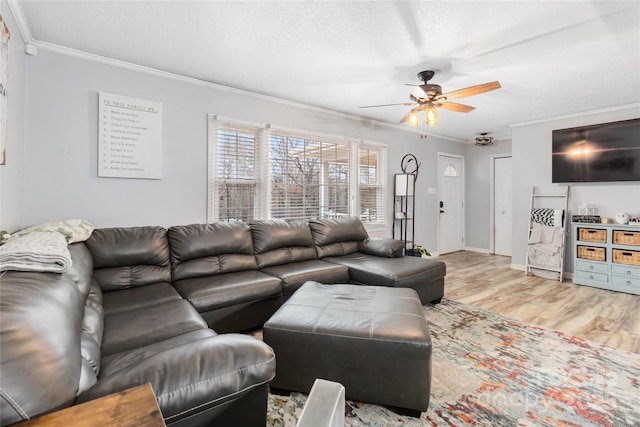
[(308, 178)]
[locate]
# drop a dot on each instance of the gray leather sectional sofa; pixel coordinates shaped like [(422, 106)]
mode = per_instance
[(148, 304)]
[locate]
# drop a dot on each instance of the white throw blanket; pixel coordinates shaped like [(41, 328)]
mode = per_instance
[(43, 251)]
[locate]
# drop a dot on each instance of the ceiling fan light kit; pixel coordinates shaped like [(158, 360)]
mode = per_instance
[(432, 98), (483, 139)]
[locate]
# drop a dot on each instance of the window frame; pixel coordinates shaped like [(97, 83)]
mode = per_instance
[(263, 188)]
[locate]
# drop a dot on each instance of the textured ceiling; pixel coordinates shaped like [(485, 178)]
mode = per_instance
[(552, 58)]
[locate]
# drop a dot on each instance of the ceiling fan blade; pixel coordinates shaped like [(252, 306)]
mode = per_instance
[(406, 104), (471, 91), (458, 108)]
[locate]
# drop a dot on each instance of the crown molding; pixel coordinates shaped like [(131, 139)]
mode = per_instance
[(27, 36), (46, 46), (21, 21), (581, 114)]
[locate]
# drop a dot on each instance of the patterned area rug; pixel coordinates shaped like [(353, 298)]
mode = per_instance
[(489, 370)]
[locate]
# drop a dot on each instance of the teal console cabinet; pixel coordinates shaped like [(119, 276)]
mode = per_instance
[(607, 256)]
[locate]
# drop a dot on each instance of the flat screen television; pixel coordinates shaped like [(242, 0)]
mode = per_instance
[(605, 152)]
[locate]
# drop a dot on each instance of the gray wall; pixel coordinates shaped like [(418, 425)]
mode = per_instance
[(11, 174), (478, 193), (531, 150), (56, 177), (61, 180)]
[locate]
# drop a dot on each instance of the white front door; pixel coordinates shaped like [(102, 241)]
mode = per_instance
[(451, 203), (502, 205)]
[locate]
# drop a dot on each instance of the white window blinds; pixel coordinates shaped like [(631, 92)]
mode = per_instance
[(260, 173), (234, 171), (371, 183), (308, 176)]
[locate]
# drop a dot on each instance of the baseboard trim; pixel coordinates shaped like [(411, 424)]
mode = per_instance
[(479, 250), (565, 275)]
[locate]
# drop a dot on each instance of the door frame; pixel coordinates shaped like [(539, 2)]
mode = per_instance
[(492, 199), (439, 158)]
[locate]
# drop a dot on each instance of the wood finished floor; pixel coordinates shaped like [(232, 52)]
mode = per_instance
[(486, 281)]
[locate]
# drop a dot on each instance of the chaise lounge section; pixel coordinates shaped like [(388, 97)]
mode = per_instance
[(378, 262)]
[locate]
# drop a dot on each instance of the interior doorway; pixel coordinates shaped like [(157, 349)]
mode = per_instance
[(501, 204), (450, 203)]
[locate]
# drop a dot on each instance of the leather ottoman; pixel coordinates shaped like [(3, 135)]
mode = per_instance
[(372, 339)]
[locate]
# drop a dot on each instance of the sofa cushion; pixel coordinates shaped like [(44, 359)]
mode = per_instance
[(403, 272), (190, 373), (213, 292), (129, 257), (199, 250), (279, 242), (383, 247), (337, 237), (336, 249), (127, 330), (295, 274), (139, 297), (326, 231)]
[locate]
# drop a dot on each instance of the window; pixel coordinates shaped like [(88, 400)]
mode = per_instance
[(309, 177), (371, 188), (450, 170), (234, 171), (257, 172)]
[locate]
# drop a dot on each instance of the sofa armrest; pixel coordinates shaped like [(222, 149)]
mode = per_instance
[(382, 247), (197, 374)]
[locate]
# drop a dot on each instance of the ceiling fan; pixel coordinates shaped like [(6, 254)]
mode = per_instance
[(432, 98)]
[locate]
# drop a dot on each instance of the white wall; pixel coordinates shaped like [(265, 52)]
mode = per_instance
[(61, 145), (478, 193), (11, 174), (531, 150)]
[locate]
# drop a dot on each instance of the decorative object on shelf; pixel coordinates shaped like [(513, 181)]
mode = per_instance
[(587, 209), (606, 220), (409, 164), (622, 218), (586, 218), (483, 139)]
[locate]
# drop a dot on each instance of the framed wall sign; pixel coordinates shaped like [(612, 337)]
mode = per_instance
[(129, 137)]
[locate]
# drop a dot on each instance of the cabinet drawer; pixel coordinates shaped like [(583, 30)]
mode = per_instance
[(591, 266), (626, 257), (621, 270), (597, 277), (592, 235), (592, 253), (633, 282), (631, 238)]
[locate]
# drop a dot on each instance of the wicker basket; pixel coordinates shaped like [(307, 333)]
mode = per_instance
[(626, 257), (631, 238), (592, 253), (592, 235)]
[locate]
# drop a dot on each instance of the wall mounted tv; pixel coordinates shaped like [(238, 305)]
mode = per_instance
[(605, 152)]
